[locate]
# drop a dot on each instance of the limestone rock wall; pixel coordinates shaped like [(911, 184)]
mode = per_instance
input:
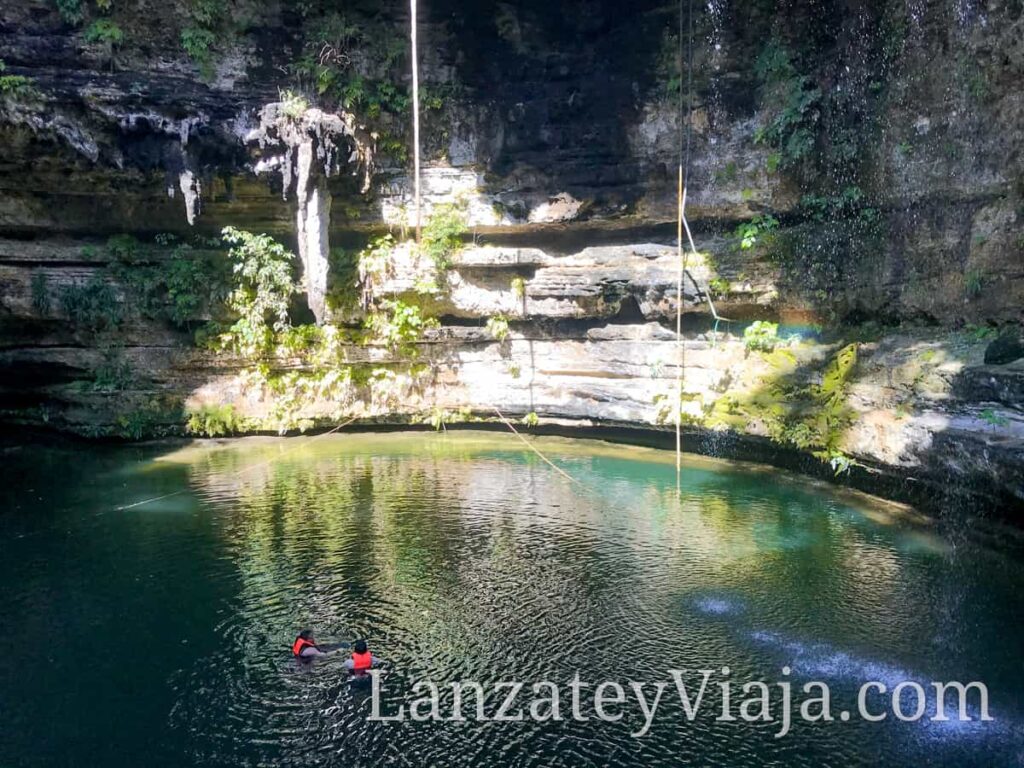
[(558, 129)]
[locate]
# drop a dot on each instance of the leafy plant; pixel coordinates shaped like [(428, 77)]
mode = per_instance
[(71, 11), (293, 105), (519, 287), (497, 327), (531, 419), (974, 283), (980, 332), (792, 104), (108, 35), (198, 44), (442, 234), (154, 418), (358, 65), (398, 324), (993, 419), (437, 418), (104, 31), (92, 306), (719, 286), (207, 23), (114, 374), (14, 85), (849, 202), (748, 233), (263, 288), (761, 336), (375, 264), (40, 294), (214, 421), (178, 289)]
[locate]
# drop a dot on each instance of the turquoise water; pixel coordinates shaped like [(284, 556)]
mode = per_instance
[(159, 634)]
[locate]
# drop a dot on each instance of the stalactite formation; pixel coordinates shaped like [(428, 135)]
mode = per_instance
[(305, 147)]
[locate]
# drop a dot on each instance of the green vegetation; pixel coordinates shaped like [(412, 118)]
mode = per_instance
[(40, 294), (518, 287), (974, 283), (375, 265), (239, 301), (157, 417), (104, 31), (728, 174), (719, 286), (198, 44), (439, 417), (792, 103), (531, 420), (442, 234), (214, 421), (72, 11), (808, 416), (980, 332), (848, 203), (263, 288), (398, 324), (357, 64), (497, 327), (993, 419), (749, 233), (179, 287), (670, 76), (293, 105), (208, 23), (114, 374), (14, 86), (761, 336), (92, 305)]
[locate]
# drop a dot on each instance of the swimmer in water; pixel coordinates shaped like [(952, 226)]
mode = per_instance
[(362, 660), (305, 647)]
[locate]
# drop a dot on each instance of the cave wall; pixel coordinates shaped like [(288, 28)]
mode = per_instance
[(559, 126)]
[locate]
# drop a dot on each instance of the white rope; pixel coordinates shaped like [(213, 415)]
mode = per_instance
[(680, 347), (416, 119), (533, 448)]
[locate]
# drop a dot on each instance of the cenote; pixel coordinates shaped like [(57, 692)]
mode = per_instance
[(159, 634)]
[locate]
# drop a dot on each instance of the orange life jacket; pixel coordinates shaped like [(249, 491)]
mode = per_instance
[(361, 661), (300, 645)]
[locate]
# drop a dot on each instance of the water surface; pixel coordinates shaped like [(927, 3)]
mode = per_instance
[(159, 634)]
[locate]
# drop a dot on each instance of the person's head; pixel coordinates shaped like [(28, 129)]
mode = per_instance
[(360, 646), (306, 634)]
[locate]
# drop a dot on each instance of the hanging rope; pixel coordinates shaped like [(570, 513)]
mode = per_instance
[(683, 225), (416, 120), (534, 448), (683, 182)]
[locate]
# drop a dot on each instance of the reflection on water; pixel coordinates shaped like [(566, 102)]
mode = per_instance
[(464, 557)]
